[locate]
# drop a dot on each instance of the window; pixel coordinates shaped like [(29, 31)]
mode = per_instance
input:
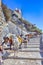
[(15, 15)]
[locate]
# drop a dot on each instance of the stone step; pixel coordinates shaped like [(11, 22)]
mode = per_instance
[(24, 55), (41, 51), (32, 45), (34, 40), (23, 58), (18, 61), (31, 49), (35, 45), (27, 49), (20, 50), (29, 43)]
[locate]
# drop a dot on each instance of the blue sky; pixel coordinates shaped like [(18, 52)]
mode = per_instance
[(32, 10)]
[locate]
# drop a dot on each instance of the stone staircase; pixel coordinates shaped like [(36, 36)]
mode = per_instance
[(33, 44), (26, 56)]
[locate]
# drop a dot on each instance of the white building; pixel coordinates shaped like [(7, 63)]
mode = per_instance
[(17, 13)]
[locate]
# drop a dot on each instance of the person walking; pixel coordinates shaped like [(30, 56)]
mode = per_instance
[(6, 43), (20, 41), (11, 42)]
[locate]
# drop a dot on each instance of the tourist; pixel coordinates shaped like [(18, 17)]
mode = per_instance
[(6, 43), (10, 41), (20, 41)]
